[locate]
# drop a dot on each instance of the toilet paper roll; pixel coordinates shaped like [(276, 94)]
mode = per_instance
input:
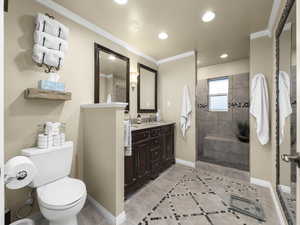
[(19, 172)]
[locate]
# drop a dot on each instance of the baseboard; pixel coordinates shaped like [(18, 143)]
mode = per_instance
[(267, 184), (285, 189), (185, 163), (36, 217), (115, 220), (260, 182)]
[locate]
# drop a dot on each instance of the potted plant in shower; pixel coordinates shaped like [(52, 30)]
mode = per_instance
[(243, 131)]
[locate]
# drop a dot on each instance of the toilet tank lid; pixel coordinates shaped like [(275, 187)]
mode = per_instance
[(37, 151)]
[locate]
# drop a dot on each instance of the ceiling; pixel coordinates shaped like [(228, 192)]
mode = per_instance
[(139, 22)]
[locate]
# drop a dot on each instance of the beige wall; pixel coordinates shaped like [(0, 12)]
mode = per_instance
[(225, 69), (171, 80), (23, 116), (261, 61), (103, 157)]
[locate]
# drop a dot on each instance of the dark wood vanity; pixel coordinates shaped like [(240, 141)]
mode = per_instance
[(152, 153)]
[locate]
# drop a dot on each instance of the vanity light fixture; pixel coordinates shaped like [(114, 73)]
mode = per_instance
[(112, 57), (224, 56), (208, 16), (163, 35), (133, 79), (121, 2)]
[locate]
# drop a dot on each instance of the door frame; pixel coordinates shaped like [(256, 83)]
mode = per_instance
[(2, 197)]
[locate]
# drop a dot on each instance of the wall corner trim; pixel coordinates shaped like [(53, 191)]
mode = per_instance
[(114, 220), (78, 19), (185, 163), (176, 57), (267, 184)]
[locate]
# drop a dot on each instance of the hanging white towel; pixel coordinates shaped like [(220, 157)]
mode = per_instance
[(47, 56), (51, 26), (285, 107), (127, 138), (49, 41), (186, 111), (259, 107)]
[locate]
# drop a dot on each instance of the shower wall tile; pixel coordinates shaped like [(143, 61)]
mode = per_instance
[(217, 141), (241, 81)]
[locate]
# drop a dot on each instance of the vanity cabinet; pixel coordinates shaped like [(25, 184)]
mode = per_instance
[(152, 153)]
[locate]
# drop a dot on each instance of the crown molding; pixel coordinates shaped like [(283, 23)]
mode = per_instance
[(272, 20), (273, 16), (263, 33), (78, 19), (176, 57)]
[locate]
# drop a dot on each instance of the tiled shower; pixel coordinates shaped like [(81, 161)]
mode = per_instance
[(218, 138)]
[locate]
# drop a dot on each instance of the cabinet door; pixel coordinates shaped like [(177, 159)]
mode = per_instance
[(141, 152), (130, 174), (169, 149)]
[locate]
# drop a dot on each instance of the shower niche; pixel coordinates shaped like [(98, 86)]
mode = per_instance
[(223, 121)]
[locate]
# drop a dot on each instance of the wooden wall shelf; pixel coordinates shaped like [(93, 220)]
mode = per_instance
[(35, 93)]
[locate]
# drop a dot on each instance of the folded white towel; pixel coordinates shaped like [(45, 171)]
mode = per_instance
[(51, 26), (186, 111), (259, 107), (285, 106), (47, 56), (127, 138), (49, 41)]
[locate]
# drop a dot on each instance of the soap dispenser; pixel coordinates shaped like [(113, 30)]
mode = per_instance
[(139, 119), (158, 116)]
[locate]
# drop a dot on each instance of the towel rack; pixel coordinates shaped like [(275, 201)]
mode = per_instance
[(49, 69)]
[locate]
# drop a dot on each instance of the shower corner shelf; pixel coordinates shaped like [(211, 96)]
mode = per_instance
[(35, 93)]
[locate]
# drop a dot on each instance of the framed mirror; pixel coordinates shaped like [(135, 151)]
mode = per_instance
[(111, 76), (286, 112), (147, 89)]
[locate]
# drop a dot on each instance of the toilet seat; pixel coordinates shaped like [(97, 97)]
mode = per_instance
[(61, 194)]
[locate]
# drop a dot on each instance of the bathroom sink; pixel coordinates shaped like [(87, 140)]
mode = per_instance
[(147, 124)]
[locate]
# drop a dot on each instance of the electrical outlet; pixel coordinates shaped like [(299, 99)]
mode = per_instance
[(29, 201)]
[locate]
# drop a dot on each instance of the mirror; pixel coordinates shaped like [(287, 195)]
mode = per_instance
[(111, 76), (286, 111), (147, 89)]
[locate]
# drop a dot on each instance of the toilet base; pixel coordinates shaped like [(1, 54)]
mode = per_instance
[(66, 221)]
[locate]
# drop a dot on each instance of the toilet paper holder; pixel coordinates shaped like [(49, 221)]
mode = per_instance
[(19, 172), (21, 175)]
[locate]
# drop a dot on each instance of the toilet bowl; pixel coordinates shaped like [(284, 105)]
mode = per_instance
[(62, 200), (60, 197)]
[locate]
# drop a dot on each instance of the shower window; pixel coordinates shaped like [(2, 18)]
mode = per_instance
[(218, 94)]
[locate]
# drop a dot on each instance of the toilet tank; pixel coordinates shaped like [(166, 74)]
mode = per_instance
[(52, 163)]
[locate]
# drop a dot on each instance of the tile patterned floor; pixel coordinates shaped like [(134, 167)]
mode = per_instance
[(186, 196)]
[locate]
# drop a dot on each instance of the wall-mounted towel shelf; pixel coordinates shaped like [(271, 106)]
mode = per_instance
[(35, 93)]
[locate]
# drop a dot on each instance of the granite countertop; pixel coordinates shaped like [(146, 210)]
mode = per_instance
[(149, 125)]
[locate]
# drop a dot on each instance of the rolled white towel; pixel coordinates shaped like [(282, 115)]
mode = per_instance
[(49, 41), (51, 26), (47, 56)]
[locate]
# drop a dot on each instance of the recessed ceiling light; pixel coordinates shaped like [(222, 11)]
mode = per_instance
[(208, 16), (224, 56), (121, 2), (163, 36), (112, 57)]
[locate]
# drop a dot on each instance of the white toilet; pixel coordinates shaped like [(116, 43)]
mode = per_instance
[(60, 197)]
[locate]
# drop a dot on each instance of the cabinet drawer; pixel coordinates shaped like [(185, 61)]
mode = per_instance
[(155, 154), (156, 142), (167, 129), (140, 135), (155, 132)]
